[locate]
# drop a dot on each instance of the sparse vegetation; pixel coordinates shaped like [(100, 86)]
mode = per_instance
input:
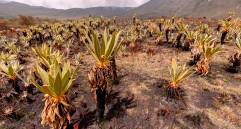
[(56, 60)]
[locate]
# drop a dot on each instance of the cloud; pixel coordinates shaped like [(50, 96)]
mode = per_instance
[(65, 4)]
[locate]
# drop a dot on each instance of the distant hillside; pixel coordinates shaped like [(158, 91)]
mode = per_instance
[(95, 11), (194, 8), (13, 9)]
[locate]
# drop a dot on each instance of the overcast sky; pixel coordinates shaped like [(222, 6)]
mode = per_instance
[(65, 4)]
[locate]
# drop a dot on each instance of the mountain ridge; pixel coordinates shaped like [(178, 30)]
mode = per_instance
[(14, 9), (153, 8), (188, 8)]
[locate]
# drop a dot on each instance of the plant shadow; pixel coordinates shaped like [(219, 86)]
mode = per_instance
[(86, 120), (118, 104)]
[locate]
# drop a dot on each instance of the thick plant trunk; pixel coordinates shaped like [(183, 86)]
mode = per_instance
[(195, 58), (179, 37), (98, 79), (173, 20), (167, 35), (224, 34), (160, 26), (219, 27), (114, 21), (55, 114), (77, 34), (134, 20), (172, 93), (15, 85), (203, 67), (235, 60), (100, 105), (150, 34), (114, 71), (187, 45)]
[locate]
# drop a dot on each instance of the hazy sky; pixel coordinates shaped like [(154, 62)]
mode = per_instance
[(64, 4)]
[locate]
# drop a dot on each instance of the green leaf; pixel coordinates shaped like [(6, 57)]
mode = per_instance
[(57, 85), (42, 74), (43, 89), (65, 80), (96, 45), (10, 70), (67, 86), (110, 46), (179, 73), (104, 42)]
